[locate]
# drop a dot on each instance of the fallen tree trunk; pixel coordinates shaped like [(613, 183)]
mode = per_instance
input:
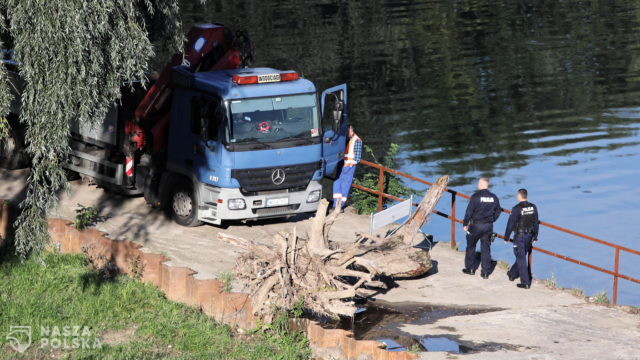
[(410, 230), (326, 276)]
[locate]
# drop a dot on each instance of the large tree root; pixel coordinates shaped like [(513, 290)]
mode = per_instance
[(326, 275)]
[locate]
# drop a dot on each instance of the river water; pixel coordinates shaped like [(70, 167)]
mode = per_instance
[(542, 95)]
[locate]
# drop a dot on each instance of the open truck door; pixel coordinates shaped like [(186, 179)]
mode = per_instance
[(334, 124)]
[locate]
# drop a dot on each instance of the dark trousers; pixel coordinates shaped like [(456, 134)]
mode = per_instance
[(521, 248), (479, 232)]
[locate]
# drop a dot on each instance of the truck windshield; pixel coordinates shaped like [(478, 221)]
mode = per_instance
[(273, 119)]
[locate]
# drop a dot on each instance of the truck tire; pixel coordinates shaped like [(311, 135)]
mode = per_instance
[(183, 204), (13, 152)]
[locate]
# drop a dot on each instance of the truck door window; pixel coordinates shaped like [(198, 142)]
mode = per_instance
[(206, 111), (327, 114)]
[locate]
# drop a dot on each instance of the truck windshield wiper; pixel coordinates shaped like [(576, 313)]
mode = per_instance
[(300, 136), (254, 141)]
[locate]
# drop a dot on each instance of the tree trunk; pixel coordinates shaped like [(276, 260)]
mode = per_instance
[(410, 229)]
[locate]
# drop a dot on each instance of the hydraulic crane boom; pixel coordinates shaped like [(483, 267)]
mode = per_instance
[(207, 47)]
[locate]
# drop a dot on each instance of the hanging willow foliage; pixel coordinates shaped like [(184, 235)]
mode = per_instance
[(74, 56), (5, 100)]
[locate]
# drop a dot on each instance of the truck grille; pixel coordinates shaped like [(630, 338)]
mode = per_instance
[(261, 179), (278, 210)]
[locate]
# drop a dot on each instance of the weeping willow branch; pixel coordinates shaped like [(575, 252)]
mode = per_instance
[(5, 99), (74, 56)]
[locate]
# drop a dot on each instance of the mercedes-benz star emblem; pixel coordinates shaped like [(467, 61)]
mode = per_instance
[(278, 176)]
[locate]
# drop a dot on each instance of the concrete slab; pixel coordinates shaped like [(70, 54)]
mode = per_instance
[(539, 323), (447, 285)]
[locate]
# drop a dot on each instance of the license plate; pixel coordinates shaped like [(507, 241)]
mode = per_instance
[(265, 78), (278, 202)]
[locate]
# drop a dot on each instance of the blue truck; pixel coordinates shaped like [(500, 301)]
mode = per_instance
[(213, 143)]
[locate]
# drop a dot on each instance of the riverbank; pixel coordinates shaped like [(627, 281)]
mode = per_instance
[(519, 324)]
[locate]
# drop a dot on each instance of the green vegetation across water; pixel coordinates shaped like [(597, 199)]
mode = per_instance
[(366, 203), (128, 319)]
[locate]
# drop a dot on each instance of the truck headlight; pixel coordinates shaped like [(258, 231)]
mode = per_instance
[(236, 204), (313, 196)]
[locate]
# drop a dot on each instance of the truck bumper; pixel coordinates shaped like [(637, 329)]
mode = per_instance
[(214, 203)]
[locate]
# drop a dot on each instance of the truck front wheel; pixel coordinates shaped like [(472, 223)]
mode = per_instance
[(183, 205)]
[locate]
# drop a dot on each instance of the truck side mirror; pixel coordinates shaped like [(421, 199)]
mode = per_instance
[(337, 116)]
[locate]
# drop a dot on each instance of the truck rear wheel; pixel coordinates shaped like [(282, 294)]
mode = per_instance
[(183, 205)]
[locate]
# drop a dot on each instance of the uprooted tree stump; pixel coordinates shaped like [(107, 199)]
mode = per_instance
[(328, 275)]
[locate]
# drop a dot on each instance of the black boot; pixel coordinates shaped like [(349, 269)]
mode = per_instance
[(469, 271), (524, 286)]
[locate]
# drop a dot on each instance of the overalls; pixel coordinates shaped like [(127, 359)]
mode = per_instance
[(342, 185)]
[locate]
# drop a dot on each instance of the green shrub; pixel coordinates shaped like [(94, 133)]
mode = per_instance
[(227, 279), (366, 203), (85, 217)]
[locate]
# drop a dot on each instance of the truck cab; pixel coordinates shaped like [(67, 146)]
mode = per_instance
[(212, 139), (249, 143)]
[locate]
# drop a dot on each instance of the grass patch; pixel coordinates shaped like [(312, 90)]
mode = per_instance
[(59, 290), (414, 349), (227, 279), (503, 265), (551, 282), (577, 292), (601, 298)]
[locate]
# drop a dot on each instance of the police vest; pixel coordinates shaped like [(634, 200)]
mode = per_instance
[(527, 216), (350, 153)]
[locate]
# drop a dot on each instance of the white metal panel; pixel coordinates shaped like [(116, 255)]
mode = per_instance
[(391, 214)]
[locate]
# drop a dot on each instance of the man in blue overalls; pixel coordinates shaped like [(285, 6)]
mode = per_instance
[(352, 156), (524, 223), (483, 210)]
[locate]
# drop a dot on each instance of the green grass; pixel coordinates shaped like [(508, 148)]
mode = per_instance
[(551, 282), (227, 279), (601, 298), (577, 292), (503, 265), (59, 290)]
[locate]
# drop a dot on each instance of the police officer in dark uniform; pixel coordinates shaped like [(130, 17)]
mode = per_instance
[(483, 210), (524, 223)]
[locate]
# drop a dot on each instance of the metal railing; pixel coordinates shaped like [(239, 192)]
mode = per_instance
[(452, 217)]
